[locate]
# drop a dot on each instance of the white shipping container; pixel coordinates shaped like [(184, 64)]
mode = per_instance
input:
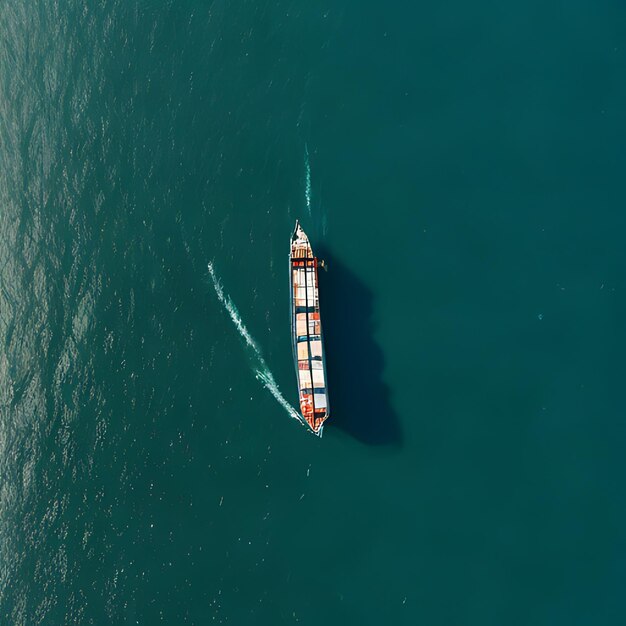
[(316, 348), (320, 401), (318, 377)]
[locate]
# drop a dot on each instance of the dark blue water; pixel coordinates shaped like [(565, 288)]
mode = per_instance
[(460, 167)]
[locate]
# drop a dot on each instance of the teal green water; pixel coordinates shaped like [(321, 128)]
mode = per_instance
[(465, 183)]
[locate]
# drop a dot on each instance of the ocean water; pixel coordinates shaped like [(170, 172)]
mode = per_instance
[(460, 166)]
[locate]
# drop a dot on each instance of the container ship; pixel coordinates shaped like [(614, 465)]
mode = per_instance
[(306, 332)]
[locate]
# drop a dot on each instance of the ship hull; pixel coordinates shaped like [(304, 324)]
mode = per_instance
[(306, 332)]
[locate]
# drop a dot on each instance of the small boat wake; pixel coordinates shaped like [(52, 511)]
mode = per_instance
[(261, 369)]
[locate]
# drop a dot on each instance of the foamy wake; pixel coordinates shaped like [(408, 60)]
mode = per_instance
[(261, 369), (307, 186)]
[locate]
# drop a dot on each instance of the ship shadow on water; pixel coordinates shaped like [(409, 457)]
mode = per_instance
[(359, 398)]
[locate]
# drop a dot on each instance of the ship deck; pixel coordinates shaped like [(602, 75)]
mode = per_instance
[(307, 332)]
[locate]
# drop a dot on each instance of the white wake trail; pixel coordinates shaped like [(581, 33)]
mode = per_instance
[(232, 310), (261, 369), (307, 187)]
